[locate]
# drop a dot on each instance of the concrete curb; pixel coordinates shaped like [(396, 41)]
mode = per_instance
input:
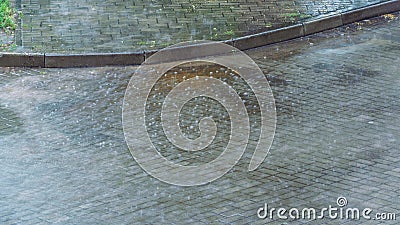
[(269, 37), (370, 11), (92, 60), (326, 23), (242, 43), (21, 60)]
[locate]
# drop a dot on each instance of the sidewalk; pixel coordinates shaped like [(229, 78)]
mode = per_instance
[(126, 26), (64, 159)]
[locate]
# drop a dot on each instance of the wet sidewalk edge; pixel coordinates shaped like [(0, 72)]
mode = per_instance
[(50, 60)]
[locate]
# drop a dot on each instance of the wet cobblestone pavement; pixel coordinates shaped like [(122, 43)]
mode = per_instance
[(71, 26), (64, 159)]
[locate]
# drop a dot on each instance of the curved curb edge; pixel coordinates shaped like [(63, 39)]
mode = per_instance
[(47, 60)]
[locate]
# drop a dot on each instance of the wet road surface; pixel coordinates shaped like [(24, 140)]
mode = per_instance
[(64, 159)]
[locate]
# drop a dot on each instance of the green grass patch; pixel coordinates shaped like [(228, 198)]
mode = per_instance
[(7, 19), (229, 33)]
